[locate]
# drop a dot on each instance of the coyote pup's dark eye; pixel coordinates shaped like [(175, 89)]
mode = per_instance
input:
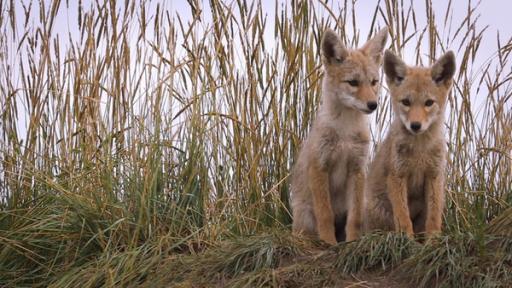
[(429, 102), (353, 83), (374, 82), (406, 102)]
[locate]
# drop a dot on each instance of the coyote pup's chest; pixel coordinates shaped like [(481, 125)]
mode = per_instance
[(415, 160), (350, 155), (348, 149)]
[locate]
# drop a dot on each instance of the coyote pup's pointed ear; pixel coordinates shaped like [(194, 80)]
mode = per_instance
[(394, 68), (332, 48), (375, 46), (444, 69)]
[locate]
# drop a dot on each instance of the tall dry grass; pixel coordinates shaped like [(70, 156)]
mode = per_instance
[(153, 132)]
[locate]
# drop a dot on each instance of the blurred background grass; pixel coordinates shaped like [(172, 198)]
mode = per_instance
[(151, 135)]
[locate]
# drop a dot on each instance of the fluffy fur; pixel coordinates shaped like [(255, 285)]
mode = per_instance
[(405, 187), (328, 177)]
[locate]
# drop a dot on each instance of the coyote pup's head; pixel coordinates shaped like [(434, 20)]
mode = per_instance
[(419, 94), (352, 76)]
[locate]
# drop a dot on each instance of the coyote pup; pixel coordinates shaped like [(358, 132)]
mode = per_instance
[(328, 177), (405, 187)]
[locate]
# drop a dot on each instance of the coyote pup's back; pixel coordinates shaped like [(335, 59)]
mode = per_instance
[(328, 177), (405, 188)]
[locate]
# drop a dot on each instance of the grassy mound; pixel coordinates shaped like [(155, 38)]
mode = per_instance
[(69, 244)]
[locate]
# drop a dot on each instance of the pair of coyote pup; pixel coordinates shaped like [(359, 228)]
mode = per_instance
[(332, 198)]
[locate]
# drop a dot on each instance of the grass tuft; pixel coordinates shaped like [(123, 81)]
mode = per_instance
[(373, 251), (465, 260)]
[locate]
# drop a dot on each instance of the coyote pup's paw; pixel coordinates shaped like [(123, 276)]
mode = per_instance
[(353, 233), (329, 239)]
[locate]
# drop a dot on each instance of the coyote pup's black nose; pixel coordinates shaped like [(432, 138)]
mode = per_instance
[(372, 105), (415, 126)]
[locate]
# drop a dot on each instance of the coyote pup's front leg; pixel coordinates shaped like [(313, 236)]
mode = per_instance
[(355, 187), (435, 203), (319, 186), (397, 186)]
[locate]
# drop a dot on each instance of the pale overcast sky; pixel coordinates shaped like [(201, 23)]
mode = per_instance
[(493, 13)]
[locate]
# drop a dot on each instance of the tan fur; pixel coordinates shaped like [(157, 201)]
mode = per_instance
[(405, 187), (328, 176)]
